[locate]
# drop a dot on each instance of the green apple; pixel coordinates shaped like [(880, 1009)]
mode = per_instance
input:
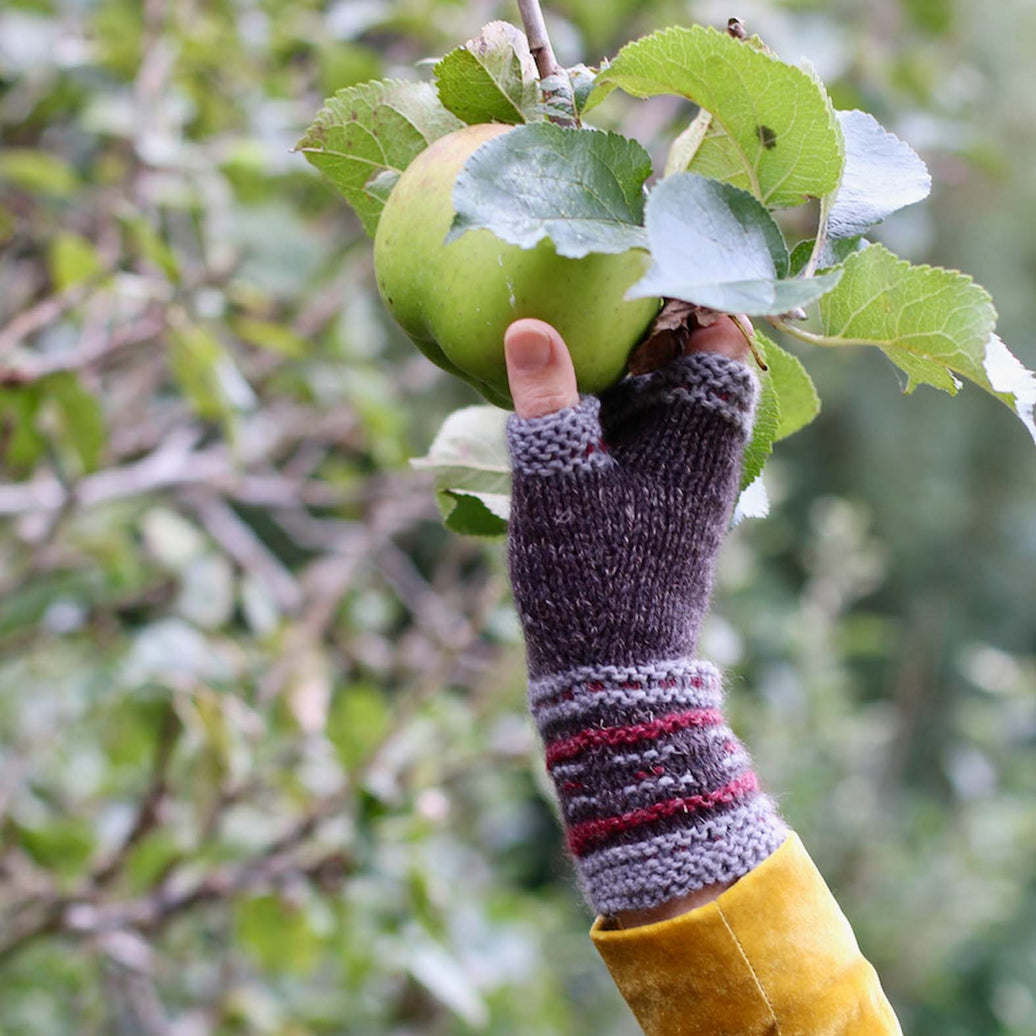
[(456, 300)]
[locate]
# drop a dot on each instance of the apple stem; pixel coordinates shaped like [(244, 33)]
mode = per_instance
[(539, 41), (750, 339)]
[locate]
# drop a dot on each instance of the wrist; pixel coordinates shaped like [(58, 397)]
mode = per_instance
[(657, 795)]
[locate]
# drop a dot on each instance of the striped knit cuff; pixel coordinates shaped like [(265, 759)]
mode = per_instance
[(657, 795)]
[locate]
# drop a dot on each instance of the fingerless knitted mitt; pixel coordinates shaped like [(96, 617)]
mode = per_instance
[(619, 507)]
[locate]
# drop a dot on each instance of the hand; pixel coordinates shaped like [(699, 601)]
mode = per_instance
[(618, 510), (540, 370)]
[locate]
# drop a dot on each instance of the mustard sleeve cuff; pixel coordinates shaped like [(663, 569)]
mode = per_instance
[(773, 954)]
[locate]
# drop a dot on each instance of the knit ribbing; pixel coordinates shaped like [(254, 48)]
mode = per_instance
[(618, 510), (654, 870), (564, 441)]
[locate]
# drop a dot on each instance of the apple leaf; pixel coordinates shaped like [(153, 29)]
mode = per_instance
[(794, 388), (754, 502), (72, 260), (716, 246), (1011, 382), (474, 514), (932, 323), (773, 130), (787, 402), (685, 147), (765, 431), (472, 471), (75, 418), (365, 136), (834, 253), (881, 174), (492, 78), (913, 313), (582, 189), (582, 80)]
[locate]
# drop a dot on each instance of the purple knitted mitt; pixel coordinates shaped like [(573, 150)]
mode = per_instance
[(613, 540)]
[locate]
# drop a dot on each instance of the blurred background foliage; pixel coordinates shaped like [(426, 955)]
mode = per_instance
[(264, 759)]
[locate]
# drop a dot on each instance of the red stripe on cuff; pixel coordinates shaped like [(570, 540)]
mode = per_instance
[(585, 836), (572, 746)]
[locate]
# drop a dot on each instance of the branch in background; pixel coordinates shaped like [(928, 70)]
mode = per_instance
[(236, 537), (100, 348), (74, 915), (45, 312), (177, 463)]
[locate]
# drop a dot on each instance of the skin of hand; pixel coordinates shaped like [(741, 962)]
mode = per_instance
[(543, 380)]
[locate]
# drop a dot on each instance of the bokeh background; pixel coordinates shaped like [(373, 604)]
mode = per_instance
[(265, 765)]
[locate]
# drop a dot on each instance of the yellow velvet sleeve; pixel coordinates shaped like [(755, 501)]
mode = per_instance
[(772, 955)]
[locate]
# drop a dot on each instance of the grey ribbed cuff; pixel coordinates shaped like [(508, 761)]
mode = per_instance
[(657, 795)]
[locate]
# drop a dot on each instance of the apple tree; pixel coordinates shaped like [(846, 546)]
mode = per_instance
[(766, 139)]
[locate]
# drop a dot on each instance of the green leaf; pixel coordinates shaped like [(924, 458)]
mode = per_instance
[(492, 78), (773, 130), (474, 514), (207, 374), (72, 260), (146, 240), (365, 136), (272, 336), (149, 859), (77, 418), (582, 80), (716, 246), (799, 402), (932, 323), (21, 443), (63, 844), (276, 934), (685, 147), (787, 402), (881, 174), (358, 719), (55, 410), (922, 312), (765, 430), (469, 460), (834, 253), (38, 172), (583, 189)]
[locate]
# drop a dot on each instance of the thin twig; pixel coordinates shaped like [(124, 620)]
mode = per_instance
[(236, 537), (45, 312), (750, 339), (100, 348)]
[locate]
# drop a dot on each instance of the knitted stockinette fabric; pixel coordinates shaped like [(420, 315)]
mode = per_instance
[(619, 506)]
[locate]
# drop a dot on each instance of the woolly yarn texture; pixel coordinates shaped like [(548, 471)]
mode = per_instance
[(619, 507)]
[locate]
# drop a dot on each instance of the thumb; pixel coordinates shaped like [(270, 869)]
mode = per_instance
[(539, 369)]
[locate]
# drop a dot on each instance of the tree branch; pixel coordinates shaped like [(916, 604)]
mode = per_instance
[(539, 41), (36, 367), (236, 537)]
